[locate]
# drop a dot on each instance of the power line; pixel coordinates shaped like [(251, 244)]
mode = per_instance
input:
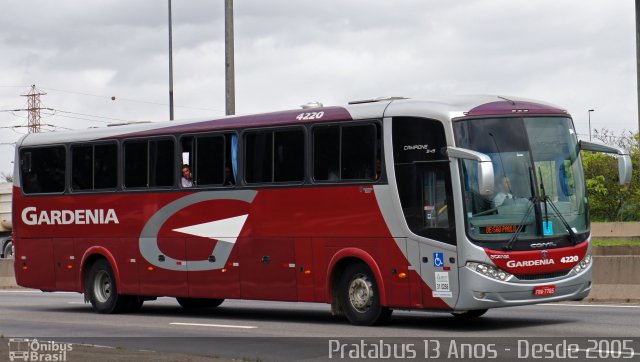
[(56, 111), (114, 98), (88, 115), (42, 124)]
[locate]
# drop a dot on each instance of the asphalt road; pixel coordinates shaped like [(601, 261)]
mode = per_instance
[(265, 331)]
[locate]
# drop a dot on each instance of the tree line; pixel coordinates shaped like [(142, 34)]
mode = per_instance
[(608, 201)]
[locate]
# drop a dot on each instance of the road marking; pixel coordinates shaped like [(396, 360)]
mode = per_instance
[(592, 305), (212, 325), (93, 345), (34, 291)]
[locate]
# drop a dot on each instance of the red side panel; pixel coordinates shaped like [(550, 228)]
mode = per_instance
[(36, 270), (157, 281), (267, 268), (219, 283), (305, 270), (65, 265)]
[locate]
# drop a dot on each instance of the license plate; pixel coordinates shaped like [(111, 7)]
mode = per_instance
[(544, 290)]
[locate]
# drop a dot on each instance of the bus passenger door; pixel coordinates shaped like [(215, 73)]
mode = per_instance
[(438, 266), (438, 269), (267, 268)]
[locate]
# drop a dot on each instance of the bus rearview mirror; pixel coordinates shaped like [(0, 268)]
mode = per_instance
[(624, 160), (485, 167)]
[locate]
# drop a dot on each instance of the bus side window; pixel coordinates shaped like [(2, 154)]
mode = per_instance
[(349, 152), (288, 156), (161, 163), (135, 164), (274, 156), (358, 152), (209, 160), (82, 167), (46, 173), (94, 167), (105, 166), (258, 151), (149, 163), (326, 153)]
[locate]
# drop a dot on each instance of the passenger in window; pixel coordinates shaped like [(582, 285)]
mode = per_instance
[(187, 177), (228, 177), (378, 169)]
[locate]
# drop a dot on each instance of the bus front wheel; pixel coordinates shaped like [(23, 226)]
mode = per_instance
[(361, 296), (102, 292)]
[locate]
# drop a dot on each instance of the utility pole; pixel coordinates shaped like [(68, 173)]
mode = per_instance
[(170, 67), (230, 88), (34, 107), (638, 58)]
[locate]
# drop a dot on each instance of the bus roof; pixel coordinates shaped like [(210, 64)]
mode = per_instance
[(445, 109)]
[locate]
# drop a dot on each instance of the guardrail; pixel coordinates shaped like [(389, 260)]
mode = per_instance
[(615, 230)]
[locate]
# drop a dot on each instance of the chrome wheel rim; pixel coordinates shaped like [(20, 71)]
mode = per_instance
[(102, 286), (361, 293)]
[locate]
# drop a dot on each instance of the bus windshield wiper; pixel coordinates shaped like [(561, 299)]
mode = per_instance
[(515, 235), (534, 201), (547, 200)]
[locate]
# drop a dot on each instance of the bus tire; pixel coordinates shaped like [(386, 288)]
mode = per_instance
[(199, 303), (470, 314), (360, 296), (101, 290), (8, 250)]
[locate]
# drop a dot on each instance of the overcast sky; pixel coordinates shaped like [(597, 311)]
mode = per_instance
[(579, 54)]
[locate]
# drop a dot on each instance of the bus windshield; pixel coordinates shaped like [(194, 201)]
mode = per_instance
[(539, 184)]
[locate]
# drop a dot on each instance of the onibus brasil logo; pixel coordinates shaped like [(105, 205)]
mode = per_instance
[(23, 349)]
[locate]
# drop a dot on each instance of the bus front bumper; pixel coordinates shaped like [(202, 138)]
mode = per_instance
[(484, 292)]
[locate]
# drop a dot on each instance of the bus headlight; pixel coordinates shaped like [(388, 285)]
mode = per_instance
[(489, 271), (583, 264)]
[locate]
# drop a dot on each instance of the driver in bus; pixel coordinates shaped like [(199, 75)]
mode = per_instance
[(505, 192)]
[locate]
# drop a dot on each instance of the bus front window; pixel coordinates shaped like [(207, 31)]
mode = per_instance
[(539, 185)]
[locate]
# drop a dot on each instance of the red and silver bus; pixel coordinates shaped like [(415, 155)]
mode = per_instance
[(458, 205)]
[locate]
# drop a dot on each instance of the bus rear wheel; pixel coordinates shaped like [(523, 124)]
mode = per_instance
[(8, 250), (199, 303), (360, 296), (102, 292)]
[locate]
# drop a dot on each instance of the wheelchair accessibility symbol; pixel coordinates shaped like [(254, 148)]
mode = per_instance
[(438, 260)]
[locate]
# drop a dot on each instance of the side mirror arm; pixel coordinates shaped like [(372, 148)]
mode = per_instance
[(624, 160)]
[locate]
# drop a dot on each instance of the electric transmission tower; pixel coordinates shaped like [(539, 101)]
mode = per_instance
[(33, 107)]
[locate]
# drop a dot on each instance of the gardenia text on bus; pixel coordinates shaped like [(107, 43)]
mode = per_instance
[(31, 216)]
